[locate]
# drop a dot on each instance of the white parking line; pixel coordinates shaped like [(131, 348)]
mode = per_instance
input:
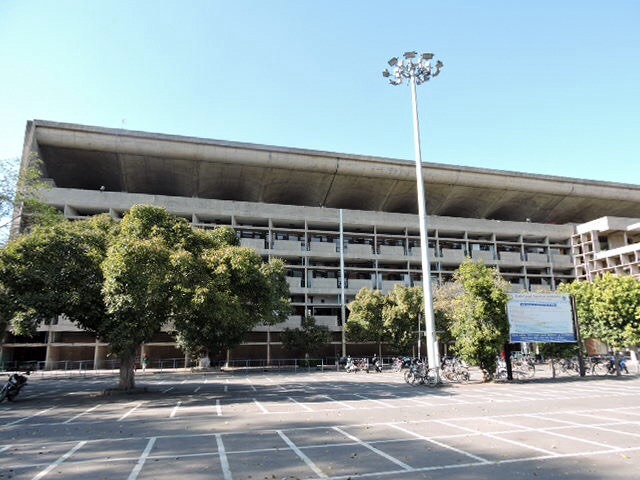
[(443, 445), (344, 404), (305, 407), (218, 408), (27, 418), (129, 412), (197, 389), (497, 437), (224, 462), (59, 461), (300, 454), (375, 450), (167, 389), (175, 410), (143, 458), (260, 406), (83, 413), (251, 385)]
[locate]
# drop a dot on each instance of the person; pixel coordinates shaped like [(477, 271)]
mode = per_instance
[(145, 362)]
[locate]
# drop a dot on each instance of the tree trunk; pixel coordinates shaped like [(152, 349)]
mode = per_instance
[(127, 373)]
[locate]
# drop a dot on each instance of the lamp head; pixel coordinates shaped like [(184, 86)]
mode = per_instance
[(410, 55), (386, 73), (427, 56), (393, 62)]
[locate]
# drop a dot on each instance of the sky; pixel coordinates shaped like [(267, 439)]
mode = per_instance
[(542, 87)]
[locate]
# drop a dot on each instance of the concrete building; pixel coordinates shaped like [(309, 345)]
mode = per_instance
[(285, 203)]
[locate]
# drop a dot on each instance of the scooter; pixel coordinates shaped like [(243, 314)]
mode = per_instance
[(13, 386)]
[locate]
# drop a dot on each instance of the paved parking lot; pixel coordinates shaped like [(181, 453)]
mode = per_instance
[(320, 425)]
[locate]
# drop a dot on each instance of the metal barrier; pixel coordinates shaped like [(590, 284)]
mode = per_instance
[(88, 367)]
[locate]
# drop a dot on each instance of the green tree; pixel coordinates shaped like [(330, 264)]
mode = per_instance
[(138, 281), (223, 294), (21, 195), (401, 313), (608, 309), (125, 282), (366, 321), (479, 320), (308, 339), (445, 297)]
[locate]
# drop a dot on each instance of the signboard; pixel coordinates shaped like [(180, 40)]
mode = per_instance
[(540, 318)]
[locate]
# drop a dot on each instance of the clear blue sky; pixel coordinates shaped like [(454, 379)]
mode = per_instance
[(549, 87)]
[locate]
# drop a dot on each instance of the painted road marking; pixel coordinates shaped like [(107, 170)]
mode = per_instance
[(224, 462), (175, 410), (300, 454), (129, 412), (143, 458), (59, 460), (83, 413)]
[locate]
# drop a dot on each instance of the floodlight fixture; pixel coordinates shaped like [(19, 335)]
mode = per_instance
[(410, 55), (393, 62)]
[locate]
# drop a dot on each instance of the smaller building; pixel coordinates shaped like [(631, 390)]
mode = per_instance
[(608, 244)]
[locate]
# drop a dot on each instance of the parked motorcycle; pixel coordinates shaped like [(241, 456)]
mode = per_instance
[(13, 386), (375, 363)]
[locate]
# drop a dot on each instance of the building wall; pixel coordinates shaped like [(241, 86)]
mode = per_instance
[(381, 250)]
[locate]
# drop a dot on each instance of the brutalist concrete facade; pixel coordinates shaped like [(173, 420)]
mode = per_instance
[(285, 203)]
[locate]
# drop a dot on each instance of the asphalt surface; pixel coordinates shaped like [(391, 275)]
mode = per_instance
[(312, 425)]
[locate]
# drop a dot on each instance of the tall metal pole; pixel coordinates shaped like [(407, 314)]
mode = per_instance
[(343, 310), (416, 72), (429, 319)]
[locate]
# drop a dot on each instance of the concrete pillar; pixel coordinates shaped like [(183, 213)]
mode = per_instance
[(99, 356), (49, 355)]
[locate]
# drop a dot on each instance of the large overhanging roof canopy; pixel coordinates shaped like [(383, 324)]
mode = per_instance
[(83, 157)]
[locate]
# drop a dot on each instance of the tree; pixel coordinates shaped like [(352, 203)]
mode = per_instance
[(445, 298), (366, 321), (138, 281), (21, 196), (402, 312), (125, 282), (55, 271), (608, 309), (479, 319), (308, 339), (223, 294)]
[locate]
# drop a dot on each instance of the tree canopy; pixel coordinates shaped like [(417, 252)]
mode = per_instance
[(479, 320), (366, 320), (21, 196), (125, 282), (402, 313), (608, 309), (307, 340)]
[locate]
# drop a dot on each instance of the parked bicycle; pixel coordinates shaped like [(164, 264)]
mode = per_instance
[(452, 369)]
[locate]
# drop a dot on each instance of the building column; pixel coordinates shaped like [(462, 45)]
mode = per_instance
[(99, 356)]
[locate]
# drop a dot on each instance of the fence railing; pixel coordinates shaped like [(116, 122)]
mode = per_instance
[(88, 367)]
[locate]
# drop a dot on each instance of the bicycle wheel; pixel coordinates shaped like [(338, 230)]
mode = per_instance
[(600, 369), (409, 377), (432, 377), (462, 375), (529, 369)]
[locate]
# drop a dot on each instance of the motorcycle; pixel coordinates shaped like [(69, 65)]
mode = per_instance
[(13, 386), (375, 362)]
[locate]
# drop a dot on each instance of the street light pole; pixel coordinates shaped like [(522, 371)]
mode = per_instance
[(417, 73)]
